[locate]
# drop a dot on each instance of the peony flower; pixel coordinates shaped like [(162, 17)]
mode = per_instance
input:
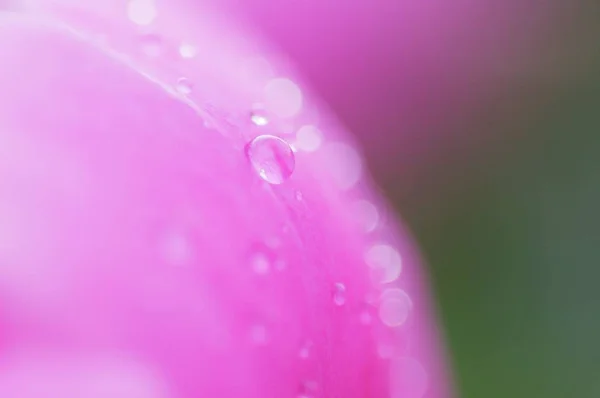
[(182, 218)]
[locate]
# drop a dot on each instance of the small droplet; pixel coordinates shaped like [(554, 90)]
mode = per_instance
[(339, 294), (385, 263), (151, 45), (261, 263), (141, 12), (184, 86), (259, 118), (308, 138), (299, 196), (394, 308), (272, 158), (305, 350), (187, 50)]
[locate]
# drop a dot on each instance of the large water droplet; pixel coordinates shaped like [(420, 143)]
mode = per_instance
[(184, 86), (339, 294), (272, 158), (141, 12)]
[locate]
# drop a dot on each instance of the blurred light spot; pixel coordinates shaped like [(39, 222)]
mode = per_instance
[(184, 86), (366, 215), (141, 12), (308, 138), (343, 164), (394, 307), (151, 45), (408, 378), (385, 263), (365, 317), (59, 375), (305, 350), (283, 97), (339, 294), (258, 334), (272, 158), (260, 263), (176, 249), (187, 50)]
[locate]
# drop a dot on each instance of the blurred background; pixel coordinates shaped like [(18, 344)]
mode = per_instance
[(481, 121)]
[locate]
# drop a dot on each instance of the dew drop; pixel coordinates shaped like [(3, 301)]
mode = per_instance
[(394, 308), (151, 45), (299, 196), (339, 294), (184, 86), (259, 118), (272, 158), (141, 12), (385, 263), (187, 50)]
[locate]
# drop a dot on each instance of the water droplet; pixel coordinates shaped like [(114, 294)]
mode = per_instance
[(283, 97), (151, 45), (141, 12), (385, 263), (339, 294), (305, 350), (184, 86), (394, 308), (272, 158), (299, 196), (308, 139), (261, 263), (187, 50), (258, 334), (259, 118)]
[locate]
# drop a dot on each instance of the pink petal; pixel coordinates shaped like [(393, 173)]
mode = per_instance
[(143, 253)]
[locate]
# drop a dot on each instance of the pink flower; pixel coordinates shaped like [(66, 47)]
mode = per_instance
[(181, 218)]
